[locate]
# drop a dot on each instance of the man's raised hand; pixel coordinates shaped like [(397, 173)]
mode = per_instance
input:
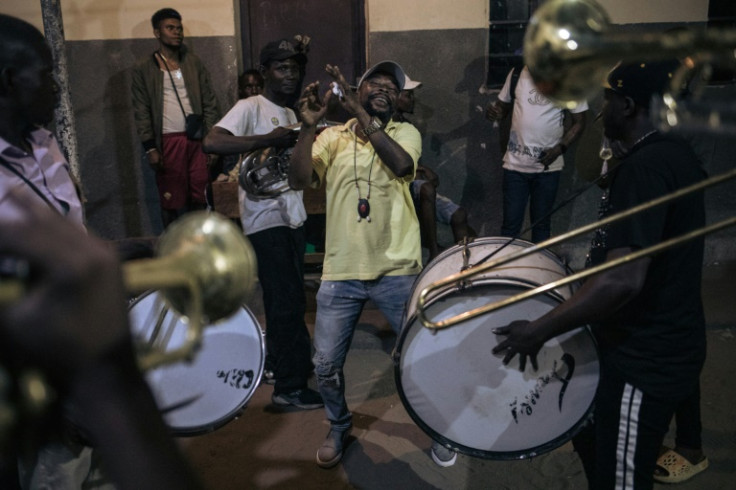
[(311, 108)]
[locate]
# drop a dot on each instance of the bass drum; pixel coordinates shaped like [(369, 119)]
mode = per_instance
[(202, 395), (460, 393)]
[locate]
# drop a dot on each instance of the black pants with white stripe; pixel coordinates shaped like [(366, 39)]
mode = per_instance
[(619, 450)]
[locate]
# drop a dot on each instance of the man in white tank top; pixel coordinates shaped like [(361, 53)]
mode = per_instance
[(169, 85)]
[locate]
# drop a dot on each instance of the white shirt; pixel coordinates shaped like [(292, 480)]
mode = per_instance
[(255, 116), (536, 124)]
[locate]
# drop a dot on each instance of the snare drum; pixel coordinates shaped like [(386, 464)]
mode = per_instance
[(460, 393), (199, 396)]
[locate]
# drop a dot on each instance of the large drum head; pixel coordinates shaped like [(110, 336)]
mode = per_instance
[(461, 394), (199, 396)]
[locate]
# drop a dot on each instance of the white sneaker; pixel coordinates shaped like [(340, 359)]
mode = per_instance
[(443, 456)]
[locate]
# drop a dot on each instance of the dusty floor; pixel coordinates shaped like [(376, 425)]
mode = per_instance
[(266, 448)]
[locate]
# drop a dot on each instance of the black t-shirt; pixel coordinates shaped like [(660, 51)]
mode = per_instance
[(657, 341)]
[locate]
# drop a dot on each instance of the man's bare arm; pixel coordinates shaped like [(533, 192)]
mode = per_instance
[(222, 142), (597, 299)]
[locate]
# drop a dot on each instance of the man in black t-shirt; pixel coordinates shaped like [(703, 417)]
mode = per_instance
[(647, 314)]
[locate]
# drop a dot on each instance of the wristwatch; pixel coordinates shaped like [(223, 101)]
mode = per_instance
[(374, 126)]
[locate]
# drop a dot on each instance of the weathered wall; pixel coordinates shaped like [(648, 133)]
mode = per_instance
[(86, 20), (446, 50), (119, 184), (104, 38), (443, 44)]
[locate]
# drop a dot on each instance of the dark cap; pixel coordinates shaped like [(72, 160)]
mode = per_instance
[(390, 67), (642, 80), (281, 50)]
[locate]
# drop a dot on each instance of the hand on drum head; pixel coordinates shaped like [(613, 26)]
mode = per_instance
[(520, 340)]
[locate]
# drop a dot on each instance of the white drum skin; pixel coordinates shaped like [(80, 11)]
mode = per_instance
[(202, 395), (461, 394)]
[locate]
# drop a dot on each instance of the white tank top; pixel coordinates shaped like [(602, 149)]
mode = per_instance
[(173, 121)]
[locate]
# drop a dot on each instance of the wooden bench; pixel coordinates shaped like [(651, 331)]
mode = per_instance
[(225, 201)]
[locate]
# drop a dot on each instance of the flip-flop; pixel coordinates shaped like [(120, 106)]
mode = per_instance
[(677, 468)]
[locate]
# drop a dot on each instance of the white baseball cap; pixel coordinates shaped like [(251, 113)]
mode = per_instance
[(410, 84)]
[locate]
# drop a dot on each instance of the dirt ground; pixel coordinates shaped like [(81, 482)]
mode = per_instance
[(267, 448)]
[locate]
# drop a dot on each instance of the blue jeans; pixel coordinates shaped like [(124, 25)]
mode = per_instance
[(339, 304), (540, 190)]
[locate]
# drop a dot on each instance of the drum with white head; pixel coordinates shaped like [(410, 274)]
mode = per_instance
[(460, 393), (202, 395)]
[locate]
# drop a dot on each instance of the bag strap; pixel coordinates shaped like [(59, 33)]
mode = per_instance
[(504, 128), (516, 71), (172, 82), (33, 186)]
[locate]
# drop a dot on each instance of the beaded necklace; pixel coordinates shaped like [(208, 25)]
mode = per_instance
[(364, 206)]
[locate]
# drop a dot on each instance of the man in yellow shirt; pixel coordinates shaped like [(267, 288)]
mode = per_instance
[(372, 241)]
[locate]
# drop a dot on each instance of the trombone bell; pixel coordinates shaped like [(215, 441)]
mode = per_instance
[(206, 270), (570, 47), (562, 47), (206, 249)]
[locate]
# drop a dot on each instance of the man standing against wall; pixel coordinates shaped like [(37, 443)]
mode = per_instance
[(168, 86), (275, 225), (533, 160)]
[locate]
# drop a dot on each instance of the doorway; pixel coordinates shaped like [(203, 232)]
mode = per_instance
[(336, 29)]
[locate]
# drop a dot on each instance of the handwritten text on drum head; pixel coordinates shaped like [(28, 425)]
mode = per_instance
[(237, 378), (525, 407)]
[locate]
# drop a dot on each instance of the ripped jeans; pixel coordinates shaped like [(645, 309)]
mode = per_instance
[(339, 305)]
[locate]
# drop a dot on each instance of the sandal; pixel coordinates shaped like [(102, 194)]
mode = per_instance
[(676, 468)]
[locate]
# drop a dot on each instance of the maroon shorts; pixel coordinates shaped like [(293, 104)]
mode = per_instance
[(184, 175)]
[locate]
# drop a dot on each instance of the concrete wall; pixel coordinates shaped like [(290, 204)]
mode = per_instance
[(119, 185), (104, 38), (444, 44)]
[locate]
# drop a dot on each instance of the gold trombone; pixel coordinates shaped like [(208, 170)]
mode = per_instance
[(462, 277), (569, 48), (569, 51)]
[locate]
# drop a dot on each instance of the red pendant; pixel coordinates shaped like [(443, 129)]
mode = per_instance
[(364, 209)]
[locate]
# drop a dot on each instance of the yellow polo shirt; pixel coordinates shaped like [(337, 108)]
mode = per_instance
[(388, 245)]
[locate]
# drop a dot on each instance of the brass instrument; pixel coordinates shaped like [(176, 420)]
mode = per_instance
[(264, 173), (570, 47), (464, 277), (205, 269)]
